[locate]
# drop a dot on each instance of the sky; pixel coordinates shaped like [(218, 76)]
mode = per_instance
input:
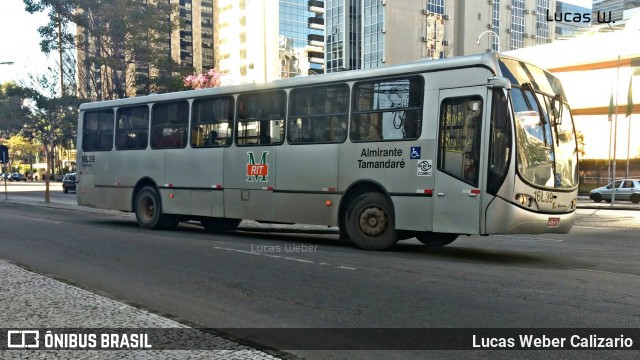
[(20, 43)]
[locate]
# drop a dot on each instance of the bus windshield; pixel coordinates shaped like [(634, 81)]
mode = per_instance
[(545, 136)]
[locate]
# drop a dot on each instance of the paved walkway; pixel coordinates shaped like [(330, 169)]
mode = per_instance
[(34, 302)]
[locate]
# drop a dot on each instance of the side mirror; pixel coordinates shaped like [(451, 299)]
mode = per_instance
[(500, 110), (556, 109), (497, 82)]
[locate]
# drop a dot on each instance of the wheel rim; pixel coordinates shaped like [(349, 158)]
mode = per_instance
[(148, 207), (373, 221)]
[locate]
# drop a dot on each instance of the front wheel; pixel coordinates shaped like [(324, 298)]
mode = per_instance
[(149, 211), (597, 198), (370, 222), (434, 239)]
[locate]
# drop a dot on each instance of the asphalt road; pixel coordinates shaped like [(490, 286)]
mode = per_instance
[(245, 279)]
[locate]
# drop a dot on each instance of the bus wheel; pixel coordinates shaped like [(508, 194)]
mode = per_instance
[(149, 211), (220, 224), (434, 239), (370, 222)]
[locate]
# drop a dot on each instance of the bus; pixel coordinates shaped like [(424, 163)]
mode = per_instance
[(474, 145)]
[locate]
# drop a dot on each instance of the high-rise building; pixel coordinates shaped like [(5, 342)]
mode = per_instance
[(190, 44), (611, 10), (566, 29), (372, 33), (262, 40)]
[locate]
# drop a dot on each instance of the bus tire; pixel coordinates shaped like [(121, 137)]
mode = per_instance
[(220, 224), (149, 211), (434, 239), (370, 222)]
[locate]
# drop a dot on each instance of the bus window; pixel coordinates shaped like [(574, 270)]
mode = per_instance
[(459, 141), (318, 115), (97, 130), (211, 122), (261, 118), (132, 128), (387, 110), (499, 142), (169, 123)]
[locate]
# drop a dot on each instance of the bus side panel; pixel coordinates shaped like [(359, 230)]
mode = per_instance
[(103, 168), (85, 192), (405, 177), (202, 171), (131, 166), (413, 213), (249, 181), (306, 181), (178, 177)]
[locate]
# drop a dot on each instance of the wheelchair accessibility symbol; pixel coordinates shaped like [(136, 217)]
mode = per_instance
[(415, 152)]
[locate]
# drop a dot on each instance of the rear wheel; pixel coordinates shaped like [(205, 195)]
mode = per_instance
[(149, 211), (635, 198), (220, 224), (370, 222), (434, 239)]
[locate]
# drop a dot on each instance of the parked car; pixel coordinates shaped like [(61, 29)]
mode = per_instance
[(69, 183), (5, 176), (627, 189), (17, 177)]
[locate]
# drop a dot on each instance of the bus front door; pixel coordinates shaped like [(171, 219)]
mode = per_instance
[(457, 182)]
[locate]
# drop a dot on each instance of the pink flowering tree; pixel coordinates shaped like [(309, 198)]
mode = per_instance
[(209, 79)]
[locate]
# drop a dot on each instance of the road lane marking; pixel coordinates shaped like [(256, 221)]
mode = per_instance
[(529, 238), (40, 220), (288, 258)]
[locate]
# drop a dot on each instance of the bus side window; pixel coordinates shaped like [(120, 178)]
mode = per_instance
[(169, 123), (211, 122), (318, 115), (97, 134), (387, 109), (261, 118), (459, 141)]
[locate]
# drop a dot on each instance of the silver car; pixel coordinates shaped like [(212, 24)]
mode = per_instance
[(627, 189)]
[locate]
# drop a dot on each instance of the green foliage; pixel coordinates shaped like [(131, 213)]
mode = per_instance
[(123, 43), (12, 114)]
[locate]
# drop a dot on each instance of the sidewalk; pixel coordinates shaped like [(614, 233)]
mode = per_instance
[(31, 301), (585, 203), (34, 302)]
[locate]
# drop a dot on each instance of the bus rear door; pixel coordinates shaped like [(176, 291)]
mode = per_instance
[(459, 165)]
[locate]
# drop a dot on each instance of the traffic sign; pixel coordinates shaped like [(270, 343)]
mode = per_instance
[(4, 154)]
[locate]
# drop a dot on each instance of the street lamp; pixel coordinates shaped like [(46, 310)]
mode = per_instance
[(492, 32)]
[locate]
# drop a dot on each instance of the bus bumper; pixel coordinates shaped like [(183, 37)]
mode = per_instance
[(506, 218)]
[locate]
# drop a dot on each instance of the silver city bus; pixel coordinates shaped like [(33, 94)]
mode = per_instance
[(478, 144)]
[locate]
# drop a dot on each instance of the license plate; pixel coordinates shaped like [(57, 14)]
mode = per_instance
[(553, 222)]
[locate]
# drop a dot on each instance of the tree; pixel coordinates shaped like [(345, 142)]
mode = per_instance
[(12, 114), (51, 120), (210, 79), (123, 45), (57, 35)]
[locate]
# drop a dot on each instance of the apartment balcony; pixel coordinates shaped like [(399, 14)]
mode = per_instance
[(316, 23), (316, 57), (316, 7), (316, 40)]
